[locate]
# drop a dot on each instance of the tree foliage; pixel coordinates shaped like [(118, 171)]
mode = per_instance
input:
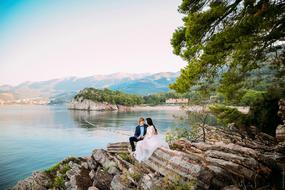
[(227, 115), (228, 40), (235, 48), (109, 96)]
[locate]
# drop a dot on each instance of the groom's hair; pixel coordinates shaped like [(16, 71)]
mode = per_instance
[(141, 119)]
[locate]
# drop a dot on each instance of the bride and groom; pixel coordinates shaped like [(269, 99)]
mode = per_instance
[(147, 139)]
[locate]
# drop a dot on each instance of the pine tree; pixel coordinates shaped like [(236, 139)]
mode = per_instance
[(227, 42)]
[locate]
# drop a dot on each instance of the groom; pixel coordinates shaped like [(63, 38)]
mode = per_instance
[(139, 133)]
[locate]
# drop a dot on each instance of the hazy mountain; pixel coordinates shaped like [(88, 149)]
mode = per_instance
[(58, 89), (147, 85)]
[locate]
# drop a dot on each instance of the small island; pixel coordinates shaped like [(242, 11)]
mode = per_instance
[(92, 99)]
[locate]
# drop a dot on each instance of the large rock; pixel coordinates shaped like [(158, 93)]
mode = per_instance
[(92, 164), (172, 163), (102, 179), (84, 104), (101, 156), (118, 183), (232, 163)]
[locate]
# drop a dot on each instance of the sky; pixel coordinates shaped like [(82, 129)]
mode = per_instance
[(46, 39)]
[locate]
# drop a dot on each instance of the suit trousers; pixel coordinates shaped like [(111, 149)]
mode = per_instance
[(132, 142)]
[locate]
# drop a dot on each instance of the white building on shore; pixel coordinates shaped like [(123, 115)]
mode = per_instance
[(177, 101)]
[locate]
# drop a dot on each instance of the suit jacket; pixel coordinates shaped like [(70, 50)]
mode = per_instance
[(138, 130)]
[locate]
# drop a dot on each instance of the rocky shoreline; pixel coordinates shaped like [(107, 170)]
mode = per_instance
[(229, 159), (90, 105)]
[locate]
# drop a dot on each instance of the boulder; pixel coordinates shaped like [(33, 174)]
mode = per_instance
[(101, 156), (102, 179), (92, 165), (118, 184)]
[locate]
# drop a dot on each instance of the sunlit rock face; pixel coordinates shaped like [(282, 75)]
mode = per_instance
[(85, 104), (91, 106)]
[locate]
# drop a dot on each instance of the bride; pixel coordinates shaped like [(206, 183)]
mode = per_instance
[(150, 143)]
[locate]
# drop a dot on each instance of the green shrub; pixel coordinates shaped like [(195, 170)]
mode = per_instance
[(136, 176), (227, 115), (64, 169), (53, 169), (251, 97), (57, 174), (177, 184), (262, 113), (177, 134), (127, 157), (72, 159), (58, 182), (198, 120)]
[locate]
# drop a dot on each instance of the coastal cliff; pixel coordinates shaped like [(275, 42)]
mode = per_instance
[(85, 104), (229, 159)]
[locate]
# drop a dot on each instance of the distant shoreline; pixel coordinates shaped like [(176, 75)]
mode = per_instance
[(194, 108)]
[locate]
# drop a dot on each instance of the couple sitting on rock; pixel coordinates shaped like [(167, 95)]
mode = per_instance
[(147, 139)]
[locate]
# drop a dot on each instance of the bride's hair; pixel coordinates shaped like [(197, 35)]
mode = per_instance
[(149, 122)]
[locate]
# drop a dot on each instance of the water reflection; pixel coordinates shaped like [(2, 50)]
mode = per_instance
[(127, 120), (35, 137)]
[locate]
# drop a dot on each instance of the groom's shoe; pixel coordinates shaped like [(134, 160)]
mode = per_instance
[(133, 153), (130, 150)]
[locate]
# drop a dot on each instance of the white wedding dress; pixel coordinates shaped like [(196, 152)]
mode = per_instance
[(149, 144)]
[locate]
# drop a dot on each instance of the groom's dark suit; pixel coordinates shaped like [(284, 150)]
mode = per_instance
[(136, 135)]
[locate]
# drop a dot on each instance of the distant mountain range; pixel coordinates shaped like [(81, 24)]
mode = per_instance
[(63, 89)]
